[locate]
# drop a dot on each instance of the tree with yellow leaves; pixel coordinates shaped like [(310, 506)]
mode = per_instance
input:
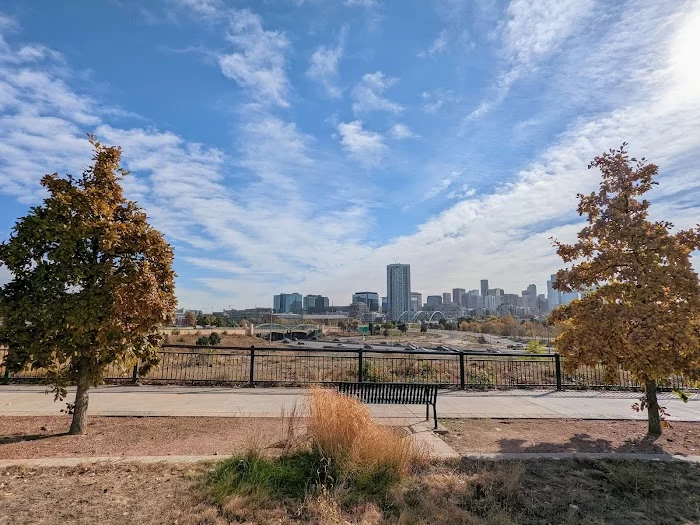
[(91, 284), (641, 306)]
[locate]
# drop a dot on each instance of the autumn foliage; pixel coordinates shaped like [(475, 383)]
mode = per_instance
[(641, 309), (91, 282)]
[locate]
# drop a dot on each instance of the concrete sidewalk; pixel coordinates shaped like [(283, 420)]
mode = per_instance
[(25, 400)]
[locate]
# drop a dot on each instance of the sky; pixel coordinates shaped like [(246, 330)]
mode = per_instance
[(303, 145)]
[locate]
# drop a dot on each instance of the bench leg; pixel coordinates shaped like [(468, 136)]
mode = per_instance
[(435, 415), (427, 412)]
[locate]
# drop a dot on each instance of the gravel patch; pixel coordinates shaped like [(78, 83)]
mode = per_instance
[(45, 436)]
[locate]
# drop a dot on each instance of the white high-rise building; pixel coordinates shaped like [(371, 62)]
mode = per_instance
[(398, 289)]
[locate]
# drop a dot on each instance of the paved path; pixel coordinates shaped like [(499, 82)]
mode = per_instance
[(269, 402)]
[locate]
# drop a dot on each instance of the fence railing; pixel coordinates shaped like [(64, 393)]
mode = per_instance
[(294, 366)]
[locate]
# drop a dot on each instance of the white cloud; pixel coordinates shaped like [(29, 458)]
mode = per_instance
[(402, 131), (365, 146), (204, 8), (250, 209), (360, 3), (368, 94), (5, 275), (323, 66), (438, 46), (531, 32), (259, 62)]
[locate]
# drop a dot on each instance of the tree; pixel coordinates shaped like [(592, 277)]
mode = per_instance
[(402, 327), (190, 319), (203, 340), (423, 327), (91, 284), (214, 338), (641, 305), (535, 347)]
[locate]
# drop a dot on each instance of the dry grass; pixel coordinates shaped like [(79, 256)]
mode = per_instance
[(343, 429), (456, 493)]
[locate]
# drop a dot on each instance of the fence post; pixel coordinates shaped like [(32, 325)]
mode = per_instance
[(461, 370), (359, 366), (557, 365), (135, 374), (251, 379)]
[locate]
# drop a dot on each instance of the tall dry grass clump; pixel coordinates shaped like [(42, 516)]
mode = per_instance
[(343, 430)]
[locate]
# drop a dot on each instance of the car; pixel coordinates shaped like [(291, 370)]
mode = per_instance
[(336, 340), (368, 347), (383, 343), (285, 340), (442, 347), (300, 342), (340, 345)]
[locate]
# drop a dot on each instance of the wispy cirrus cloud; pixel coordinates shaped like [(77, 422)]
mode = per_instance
[(531, 32), (323, 65), (368, 95)]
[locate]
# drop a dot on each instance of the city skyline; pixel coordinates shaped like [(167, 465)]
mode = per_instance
[(304, 145)]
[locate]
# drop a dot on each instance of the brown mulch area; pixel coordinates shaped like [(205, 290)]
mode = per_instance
[(24, 437), (104, 494), (569, 435)]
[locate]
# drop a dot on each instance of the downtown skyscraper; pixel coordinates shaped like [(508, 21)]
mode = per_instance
[(398, 289)]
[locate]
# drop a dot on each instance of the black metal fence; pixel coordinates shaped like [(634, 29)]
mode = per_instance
[(180, 364)]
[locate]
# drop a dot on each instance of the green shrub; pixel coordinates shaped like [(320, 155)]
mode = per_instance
[(202, 341), (175, 332), (289, 476), (214, 339)]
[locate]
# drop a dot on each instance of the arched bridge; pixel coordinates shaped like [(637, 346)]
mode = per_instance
[(429, 317)]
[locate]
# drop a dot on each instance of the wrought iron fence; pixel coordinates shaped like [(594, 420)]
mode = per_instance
[(291, 366)]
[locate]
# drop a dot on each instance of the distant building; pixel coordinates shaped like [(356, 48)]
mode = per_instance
[(358, 310), (416, 301), (285, 303), (490, 303), (371, 299), (457, 295), (446, 297), (484, 287), (433, 301), (398, 289), (385, 305), (254, 315), (315, 304)]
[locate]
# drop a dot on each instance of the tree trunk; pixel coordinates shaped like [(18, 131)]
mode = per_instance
[(653, 409), (79, 423)]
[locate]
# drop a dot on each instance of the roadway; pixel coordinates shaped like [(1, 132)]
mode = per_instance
[(359, 345)]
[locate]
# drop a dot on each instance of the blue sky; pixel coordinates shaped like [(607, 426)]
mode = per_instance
[(302, 145)]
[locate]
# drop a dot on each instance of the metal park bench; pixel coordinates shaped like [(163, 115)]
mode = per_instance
[(394, 394)]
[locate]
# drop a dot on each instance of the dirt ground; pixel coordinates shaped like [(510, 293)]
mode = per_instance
[(45, 436), (465, 492), (568, 435), (245, 341)]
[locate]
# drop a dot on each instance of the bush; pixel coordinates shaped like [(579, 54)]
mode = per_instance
[(214, 339), (202, 341), (481, 340), (346, 452), (225, 332), (175, 332)]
